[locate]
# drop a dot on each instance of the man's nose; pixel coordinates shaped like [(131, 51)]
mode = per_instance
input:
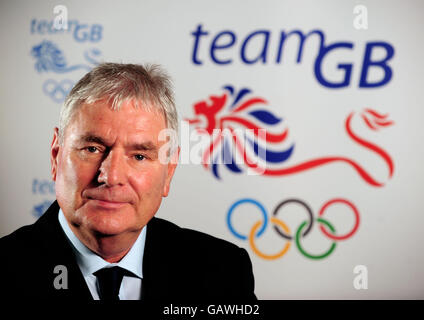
[(112, 169)]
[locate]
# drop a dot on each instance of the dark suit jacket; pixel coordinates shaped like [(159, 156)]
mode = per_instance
[(178, 265)]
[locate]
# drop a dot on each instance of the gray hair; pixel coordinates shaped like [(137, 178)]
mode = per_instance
[(149, 86)]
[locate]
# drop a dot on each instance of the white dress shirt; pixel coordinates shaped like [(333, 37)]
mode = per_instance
[(89, 262)]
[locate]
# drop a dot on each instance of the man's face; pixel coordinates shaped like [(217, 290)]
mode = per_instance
[(109, 178)]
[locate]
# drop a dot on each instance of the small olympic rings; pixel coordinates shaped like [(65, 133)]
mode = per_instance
[(283, 230), (57, 91)]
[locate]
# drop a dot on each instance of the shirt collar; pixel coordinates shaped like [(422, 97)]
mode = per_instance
[(89, 262)]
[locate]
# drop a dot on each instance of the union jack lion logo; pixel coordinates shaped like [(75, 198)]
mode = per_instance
[(245, 134)]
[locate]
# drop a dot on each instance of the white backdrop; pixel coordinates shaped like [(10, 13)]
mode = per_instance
[(39, 64)]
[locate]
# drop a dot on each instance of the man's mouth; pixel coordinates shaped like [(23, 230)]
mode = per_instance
[(107, 203)]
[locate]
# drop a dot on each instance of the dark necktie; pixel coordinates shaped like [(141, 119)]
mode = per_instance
[(109, 280)]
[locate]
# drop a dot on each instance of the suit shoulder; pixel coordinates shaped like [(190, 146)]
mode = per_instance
[(29, 234), (19, 246), (217, 267), (18, 238)]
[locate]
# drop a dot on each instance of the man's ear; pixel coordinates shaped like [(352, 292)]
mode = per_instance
[(54, 151), (172, 165)]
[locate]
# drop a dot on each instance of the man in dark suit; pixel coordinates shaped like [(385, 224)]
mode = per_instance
[(113, 158)]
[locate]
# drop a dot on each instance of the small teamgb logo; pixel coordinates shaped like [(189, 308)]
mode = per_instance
[(234, 108), (281, 228), (50, 58), (57, 91)]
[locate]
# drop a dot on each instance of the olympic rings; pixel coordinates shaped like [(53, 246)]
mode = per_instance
[(57, 91), (355, 227), (269, 256), (236, 204), (259, 227)]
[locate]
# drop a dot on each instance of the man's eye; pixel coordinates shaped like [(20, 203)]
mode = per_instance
[(92, 149), (139, 157)]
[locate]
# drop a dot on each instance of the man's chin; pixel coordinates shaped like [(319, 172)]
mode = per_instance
[(108, 229), (106, 232), (106, 225)]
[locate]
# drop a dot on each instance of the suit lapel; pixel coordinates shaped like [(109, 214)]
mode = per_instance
[(158, 263), (58, 251)]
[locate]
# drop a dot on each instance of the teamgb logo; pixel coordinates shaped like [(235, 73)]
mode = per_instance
[(50, 58), (42, 189), (225, 115), (281, 228), (267, 150)]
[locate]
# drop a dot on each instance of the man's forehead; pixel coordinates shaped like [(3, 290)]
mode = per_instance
[(133, 117), (92, 122), (132, 104)]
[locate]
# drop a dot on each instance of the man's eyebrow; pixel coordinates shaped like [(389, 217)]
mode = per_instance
[(92, 138), (143, 146)]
